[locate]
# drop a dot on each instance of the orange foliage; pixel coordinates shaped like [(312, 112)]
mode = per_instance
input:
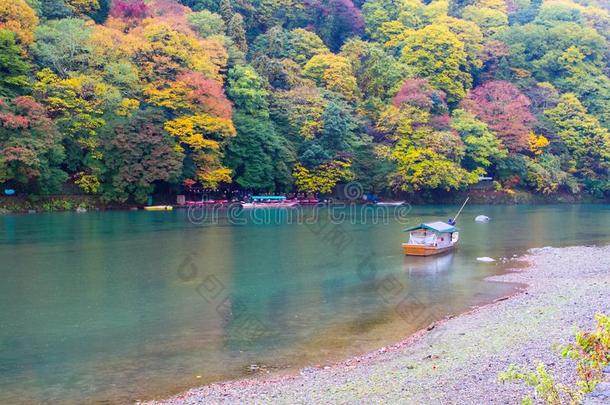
[(191, 91), (19, 17)]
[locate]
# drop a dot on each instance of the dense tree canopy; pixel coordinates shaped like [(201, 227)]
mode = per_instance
[(119, 97)]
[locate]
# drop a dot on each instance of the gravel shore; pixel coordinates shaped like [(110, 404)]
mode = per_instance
[(456, 362)]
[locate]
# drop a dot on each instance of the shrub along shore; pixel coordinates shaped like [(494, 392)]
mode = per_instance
[(460, 359)]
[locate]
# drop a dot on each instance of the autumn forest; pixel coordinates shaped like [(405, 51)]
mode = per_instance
[(118, 98)]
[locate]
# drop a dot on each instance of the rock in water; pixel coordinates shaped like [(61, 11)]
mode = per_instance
[(485, 259), (482, 218)]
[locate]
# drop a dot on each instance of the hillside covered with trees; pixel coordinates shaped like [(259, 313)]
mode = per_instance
[(119, 97)]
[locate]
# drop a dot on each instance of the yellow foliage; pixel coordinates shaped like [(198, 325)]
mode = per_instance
[(333, 72), (210, 171), (204, 135), (172, 95), (323, 178), (89, 183), (396, 37), (77, 102), (537, 143), (389, 30), (167, 49), (382, 151), (200, 131), (212, 178), (127, 106), (111, 45), (398, 123), (420, 168), (83, 6)]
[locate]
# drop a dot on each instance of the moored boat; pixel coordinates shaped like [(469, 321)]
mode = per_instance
[(206, 202), (433, 238), (308, 201), (269, 202), (159, 208), (390, 203), (430, 239)]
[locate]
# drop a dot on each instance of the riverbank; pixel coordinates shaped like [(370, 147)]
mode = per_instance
[(459, 359), (60, 203)]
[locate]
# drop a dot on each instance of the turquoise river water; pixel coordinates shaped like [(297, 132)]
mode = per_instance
[(123, 306)]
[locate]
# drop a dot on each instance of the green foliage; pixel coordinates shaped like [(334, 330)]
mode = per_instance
[(206, 23), (545, 386), (258, 157), (483, 148), (55, 9), (63, 46), (246, 89), (546, 175), (14, 69), (591, 351), (303, 45), (585, 139), (490, 21)]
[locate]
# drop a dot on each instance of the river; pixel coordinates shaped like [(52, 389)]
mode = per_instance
[(121, 306)]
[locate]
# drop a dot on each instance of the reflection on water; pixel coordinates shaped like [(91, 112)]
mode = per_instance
[(131, 305), (428, 266)]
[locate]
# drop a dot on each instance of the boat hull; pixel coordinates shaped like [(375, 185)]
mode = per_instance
[(159, 208), (274, 205), (390, 204), (420, 250)]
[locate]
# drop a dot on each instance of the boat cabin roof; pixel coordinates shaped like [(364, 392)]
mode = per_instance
[(269, 197), (438, 227)]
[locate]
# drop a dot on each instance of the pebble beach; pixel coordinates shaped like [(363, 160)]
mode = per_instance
[(457, 360)]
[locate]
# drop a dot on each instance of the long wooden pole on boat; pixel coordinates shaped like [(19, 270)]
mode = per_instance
[(460, 211)]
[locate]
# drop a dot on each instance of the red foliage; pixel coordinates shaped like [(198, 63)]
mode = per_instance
[(505, 109), (23, 113), (207, 94), (344, 11), (168, 8), (440, 122), (348, 12), (35, 113), (188, 183), (418, 93), (139, 155), (172, 13), (129, 9), (512, 181), (12, 121)]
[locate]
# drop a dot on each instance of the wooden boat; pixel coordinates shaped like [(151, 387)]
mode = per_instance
[(433, 238), (309, 201), (389, 203), (430, 239), (207, 202), (269, 202), (159, 208)]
